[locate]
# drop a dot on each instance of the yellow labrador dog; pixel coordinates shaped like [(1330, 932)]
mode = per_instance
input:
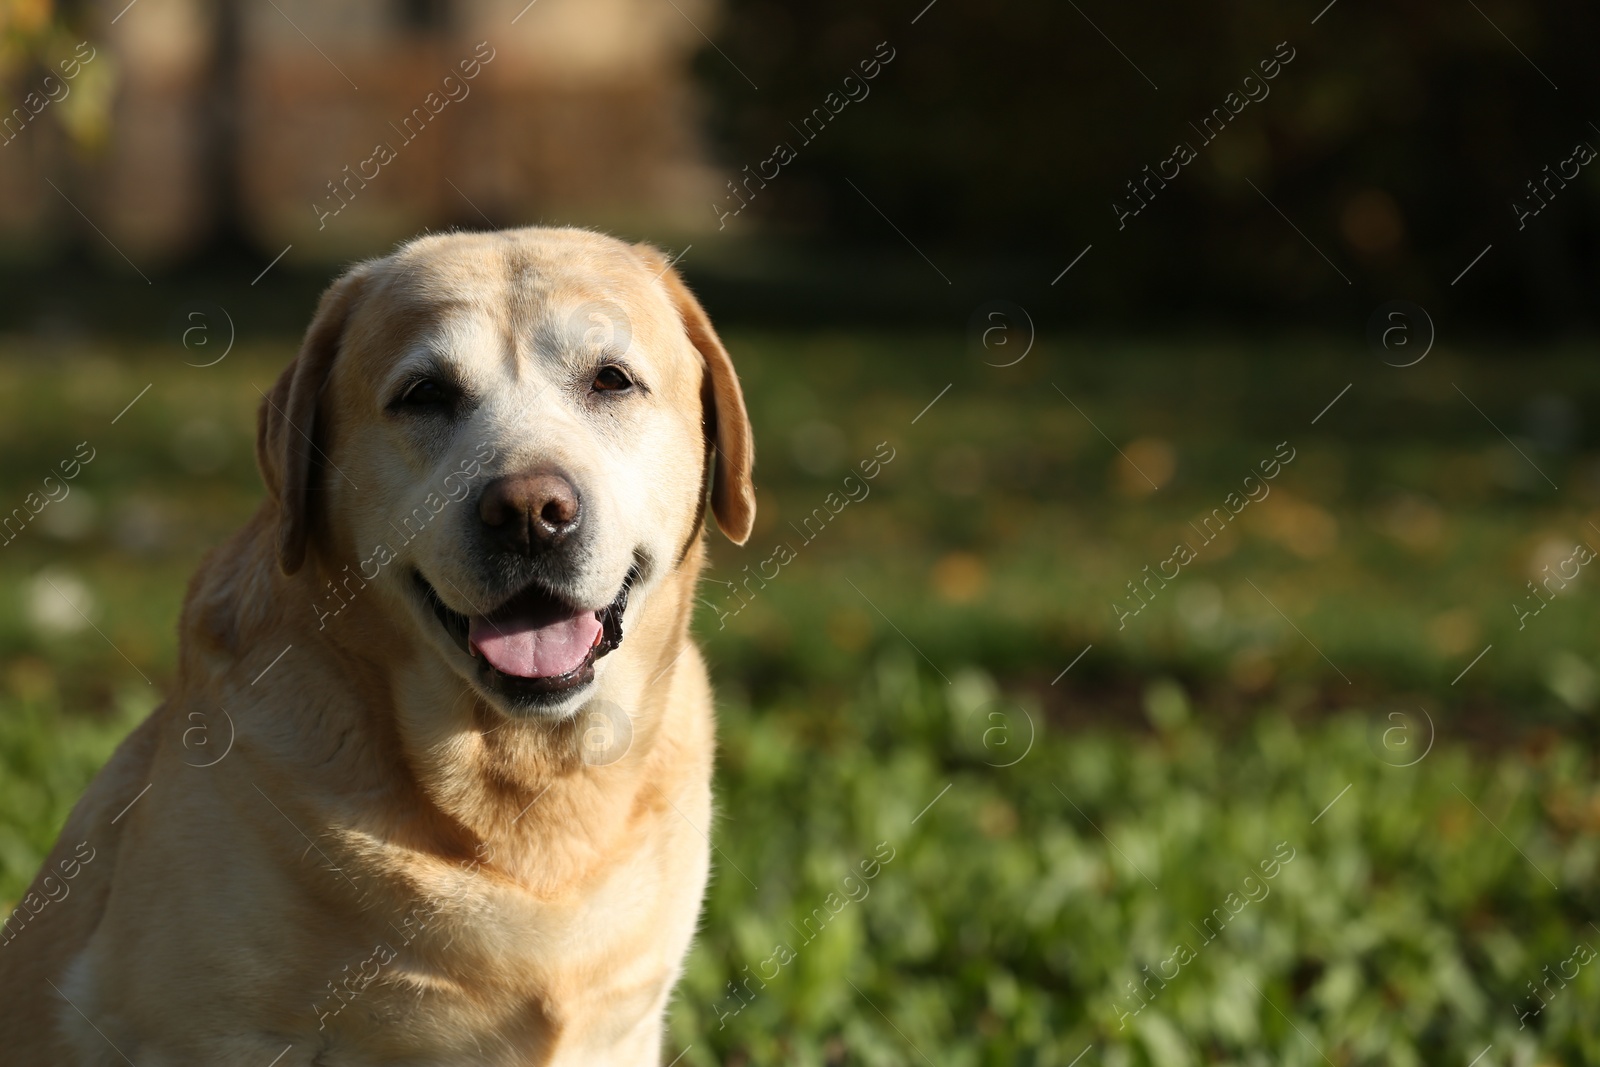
[(464, 815)]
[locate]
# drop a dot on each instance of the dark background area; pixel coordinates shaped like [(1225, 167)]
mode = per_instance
[(1396, 139)]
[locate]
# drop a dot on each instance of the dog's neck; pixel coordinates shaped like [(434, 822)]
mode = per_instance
[(469, 780)]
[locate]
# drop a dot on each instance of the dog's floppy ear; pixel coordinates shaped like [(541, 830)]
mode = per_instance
[(286, 428), (733, 498)]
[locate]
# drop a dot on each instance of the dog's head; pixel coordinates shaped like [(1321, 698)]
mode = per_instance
[(510, 436)]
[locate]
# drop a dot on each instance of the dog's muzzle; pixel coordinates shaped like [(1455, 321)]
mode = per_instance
[(536, 643)]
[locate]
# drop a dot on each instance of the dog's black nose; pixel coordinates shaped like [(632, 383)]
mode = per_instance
[(530, 511)]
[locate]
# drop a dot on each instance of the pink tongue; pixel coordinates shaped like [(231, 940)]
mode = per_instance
[(529, 646)]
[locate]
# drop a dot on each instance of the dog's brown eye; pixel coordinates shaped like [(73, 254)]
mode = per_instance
[(427, 393), (612, 379)]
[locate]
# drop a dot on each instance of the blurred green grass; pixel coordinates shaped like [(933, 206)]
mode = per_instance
[(859, 682), (1018, 907)]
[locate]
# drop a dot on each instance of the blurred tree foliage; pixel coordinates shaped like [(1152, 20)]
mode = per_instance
[(35, 35), (1397, 140), (22, 24)]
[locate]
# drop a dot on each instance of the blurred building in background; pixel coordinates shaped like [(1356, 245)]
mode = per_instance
[(341, 127)]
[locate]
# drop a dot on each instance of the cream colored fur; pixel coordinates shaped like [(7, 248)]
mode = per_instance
[(383, 826)]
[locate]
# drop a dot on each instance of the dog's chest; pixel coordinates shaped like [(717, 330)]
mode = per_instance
[(479, 962)]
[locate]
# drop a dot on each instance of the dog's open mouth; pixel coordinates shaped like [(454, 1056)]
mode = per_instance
[(536, 642)]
